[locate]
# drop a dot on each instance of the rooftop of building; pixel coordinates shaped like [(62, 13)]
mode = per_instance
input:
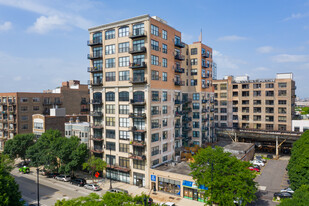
[(173, 167)]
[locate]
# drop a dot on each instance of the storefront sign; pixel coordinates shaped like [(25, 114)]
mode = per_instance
[(153, 178), (190, 184)]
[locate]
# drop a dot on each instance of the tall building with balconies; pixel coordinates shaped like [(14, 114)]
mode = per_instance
[(264, 104), (16, 109), (150, 93)]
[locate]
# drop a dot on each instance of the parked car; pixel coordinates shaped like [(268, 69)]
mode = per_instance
[(78, 181), (52, 174), (23, 163), (118, 190), (254, 169), (24, 170), (64, 178), (282, 195), (167, 204), (257, 162), (288, 189), (270, 156), (93, 187), (261, 158), (257, 166)]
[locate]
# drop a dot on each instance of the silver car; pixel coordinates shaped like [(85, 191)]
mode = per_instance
[(118, 190), (93, 187), (65, 178), (289, 190)]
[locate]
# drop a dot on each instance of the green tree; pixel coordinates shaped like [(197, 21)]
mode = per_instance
[(299, 162), (300, 197), (226, 177), (94, 164), (9, 192), (18, 146)]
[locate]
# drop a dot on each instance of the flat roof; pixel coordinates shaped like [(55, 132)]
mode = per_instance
[(179, 168)]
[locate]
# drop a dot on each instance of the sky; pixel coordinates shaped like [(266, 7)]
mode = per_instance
[(44, 42)]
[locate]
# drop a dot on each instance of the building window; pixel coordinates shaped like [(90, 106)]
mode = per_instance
[(138, 29), (110, 109), (123, 161), (282, 110), (110, 49), (194, 62), (110, 63), (282, 85), (138, 59), (282, 93), (155, 96), (139, 164), (123, 31), (194, 51), (164, 62), (123, 109), (165, 147), (164, 48), (110, 96), (164, 76), (164, 109), (24, 108), (123, 148), (124, 135), (193, 82), (271, 85), (154, 60), (154, 75), (23, 117), (196, 105), (124, 61), (110, 76), (36, 108), (123, 96), (164, 134), (110, 146), (110, 121), (110, 134), (164, 122), (123, 47), (24, 126), (155, 151), (193, 72), (269, 126), (282, 102), (154, 30), (124, 75), (196, 134), (38, 125), (196, 115), (282, 119), (164, 96), (196, 96), (155, 162), (196, 125), (35, 99), (124, 122), (110, 34), (155, 123), (23, 99), (154, 45), (155, 137), (282, 127)]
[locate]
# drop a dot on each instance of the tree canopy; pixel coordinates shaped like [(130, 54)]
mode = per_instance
[(94, 164), (18, 146), (114, 199), (226, 177), (9, 192), (299, 162), (55, 152)]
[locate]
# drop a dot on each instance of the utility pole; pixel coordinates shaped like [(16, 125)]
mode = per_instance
[(110, 167), (38, 186)]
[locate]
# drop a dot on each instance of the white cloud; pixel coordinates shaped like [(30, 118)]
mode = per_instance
[(50, 18), (297, 16), (265, 49), (232, 38), (45, 24), (261, 69), (284, 58), (5, 26), (17, 78), (226, 62)]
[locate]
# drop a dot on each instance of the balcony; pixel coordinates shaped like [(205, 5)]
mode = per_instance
[(138, 65), (97, 150), (186, 119), (179, 44), (205, 119), (96, 125), (119, 168), (139, 115), (179, 57), (99, 139), (178, 69), (94, 42), (138, 50), (205, 55), (205, 66), (138, 80), (186, 129), (178, 113), (58, 102), (137, 101), (95, 82), (178, 82), (96, 101), (186, 109), (137, 156), (138, 130), (205, 75), (204, 129), (96, 114), (138, 143), (137, 33), (186, 101), (95, 69), (177, 125), (177, 101), (96, 55), (47, 103)]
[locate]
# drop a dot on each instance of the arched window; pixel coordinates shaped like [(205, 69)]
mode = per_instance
[(139, 96), (123, 96), (110, 96)]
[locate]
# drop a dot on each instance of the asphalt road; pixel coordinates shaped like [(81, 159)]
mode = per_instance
[(51, 190)]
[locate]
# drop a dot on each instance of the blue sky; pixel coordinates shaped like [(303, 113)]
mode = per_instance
[(43, 42)]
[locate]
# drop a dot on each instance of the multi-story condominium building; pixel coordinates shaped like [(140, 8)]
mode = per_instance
[(150, 95), (266, 104), (78, 129), (16, 109)]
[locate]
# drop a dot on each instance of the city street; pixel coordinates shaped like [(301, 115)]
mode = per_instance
[(51, 190)]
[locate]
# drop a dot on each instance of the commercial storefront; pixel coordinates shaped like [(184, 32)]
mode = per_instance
[(138, 179), (118, 175), (169, 186), (192, 192)]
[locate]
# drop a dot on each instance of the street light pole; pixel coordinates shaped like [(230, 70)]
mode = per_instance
[(38, 186), (110, 167)]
